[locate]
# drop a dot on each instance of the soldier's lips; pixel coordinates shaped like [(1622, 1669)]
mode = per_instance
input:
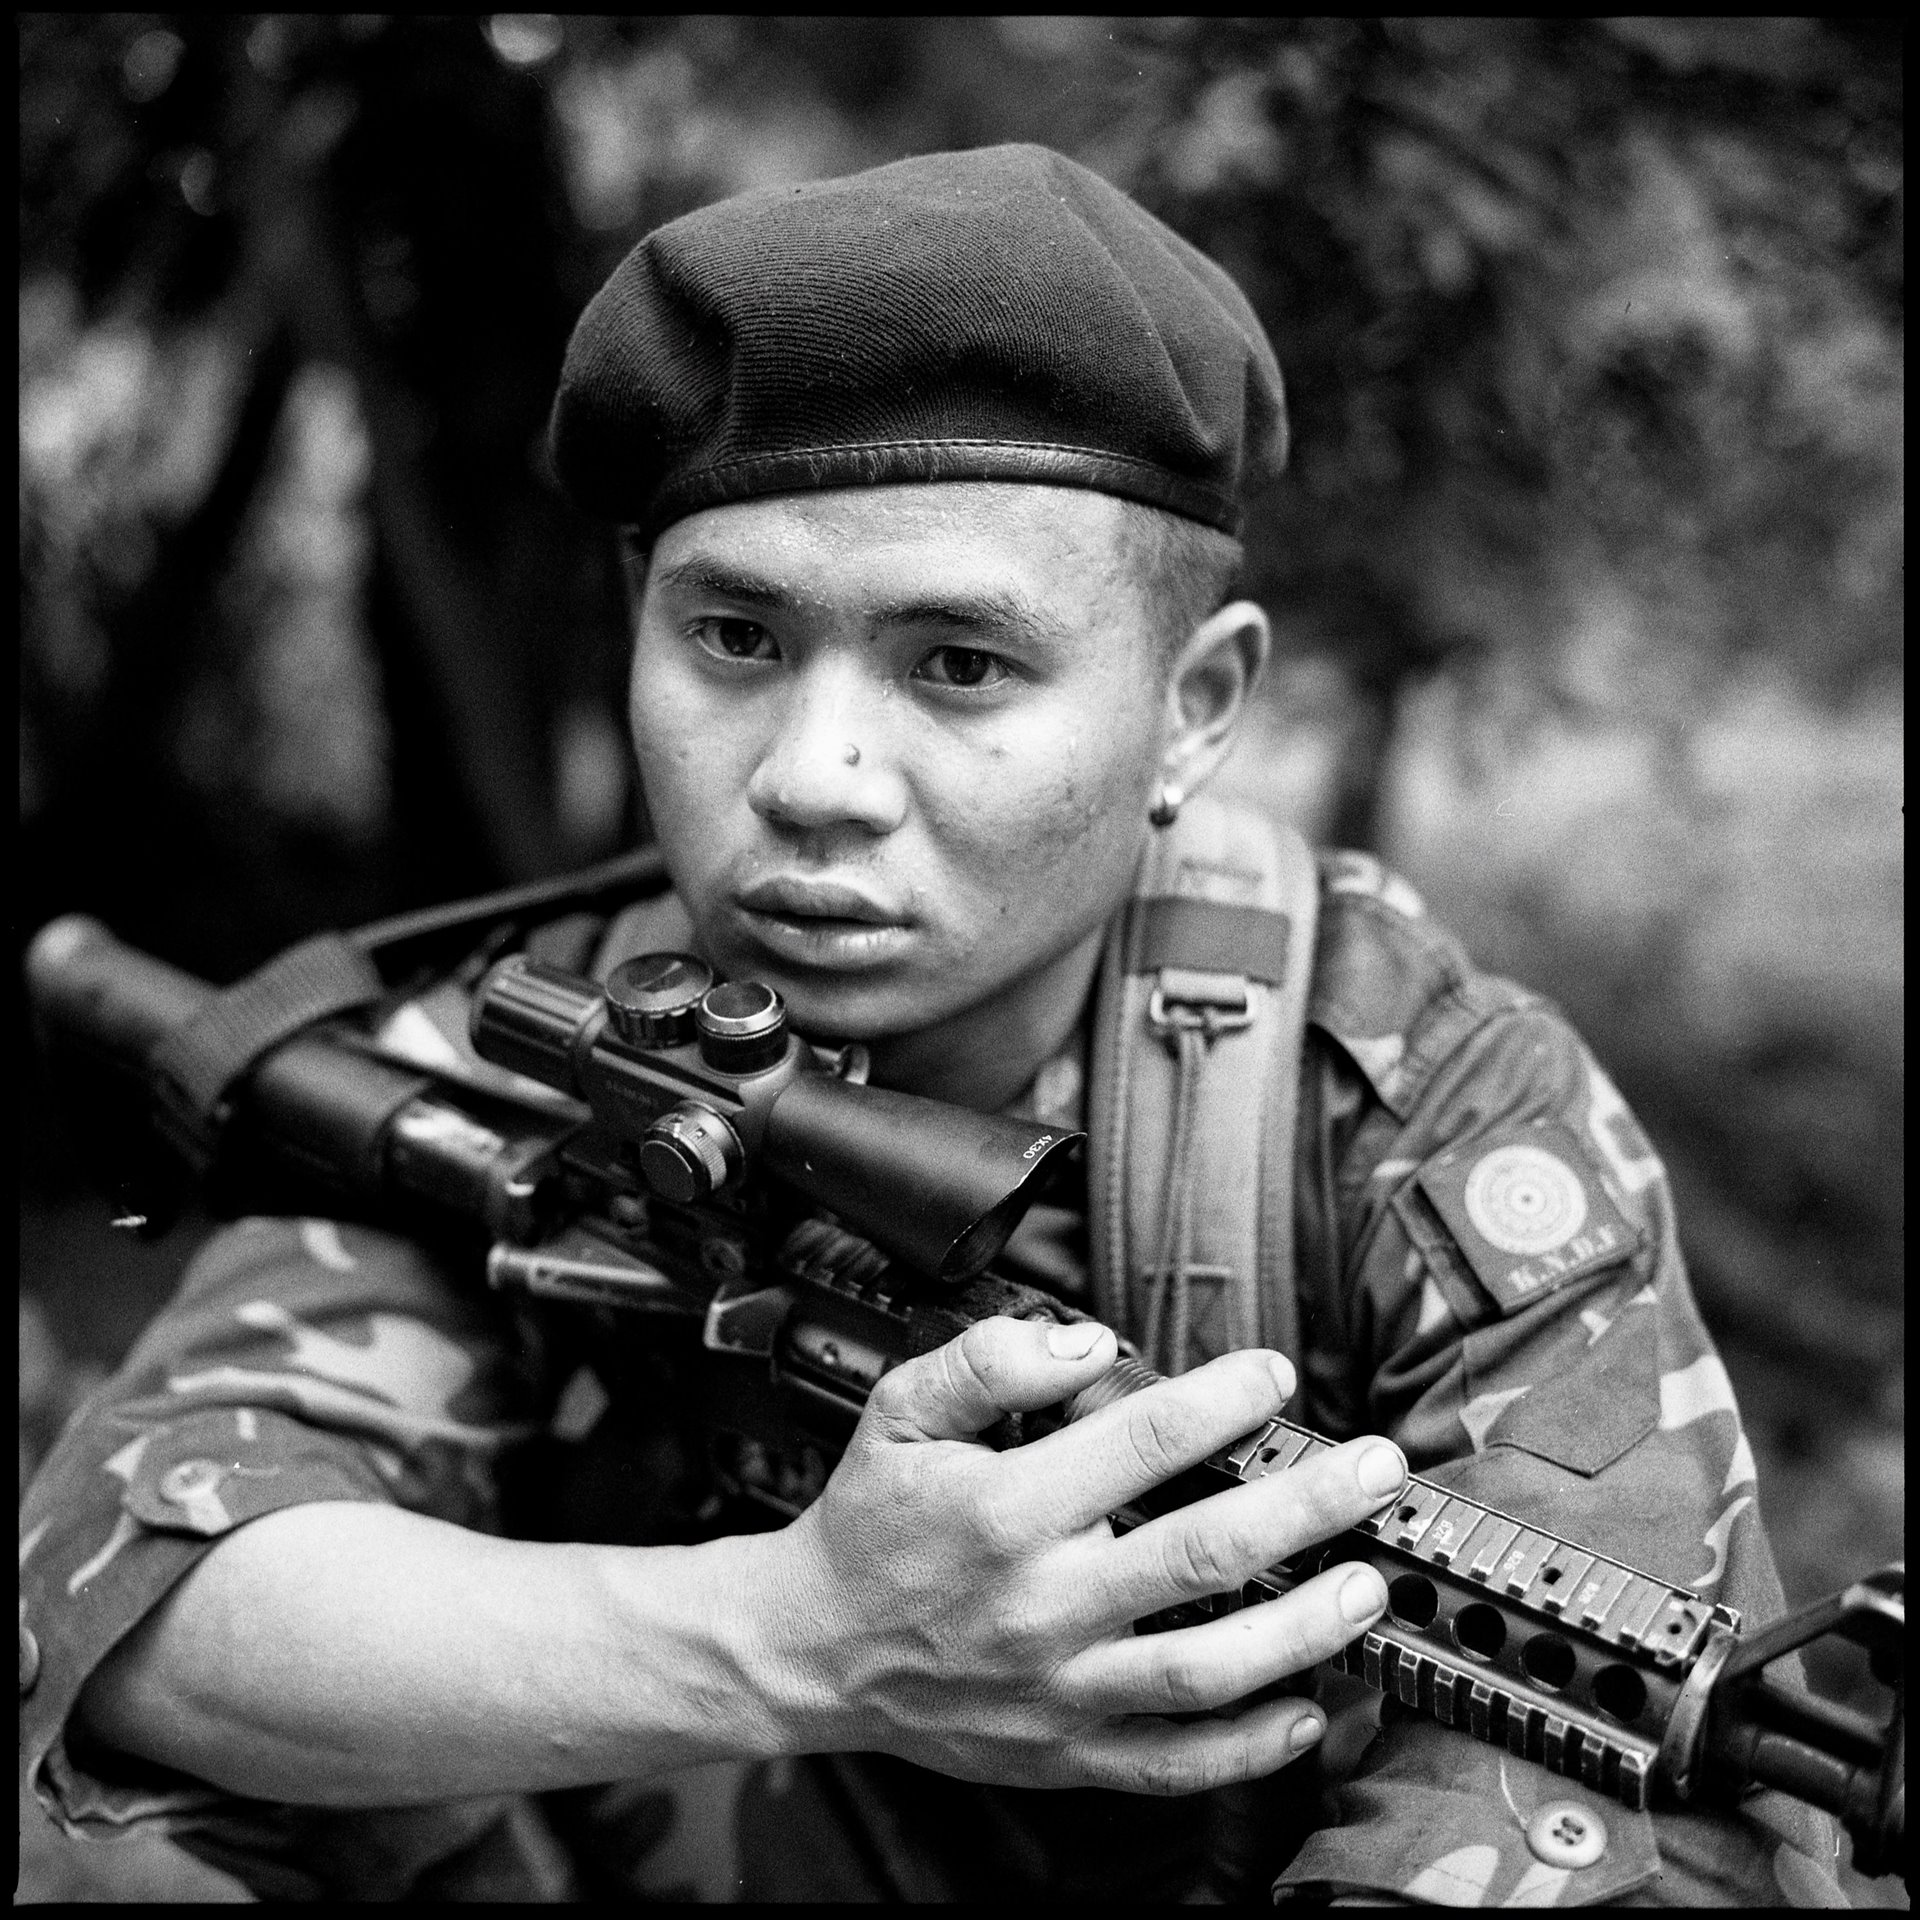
[(830, 941)]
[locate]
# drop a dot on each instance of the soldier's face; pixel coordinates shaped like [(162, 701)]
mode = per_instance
[(898, 743)]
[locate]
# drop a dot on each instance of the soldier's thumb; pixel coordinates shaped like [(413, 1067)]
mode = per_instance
[(997, 1366)]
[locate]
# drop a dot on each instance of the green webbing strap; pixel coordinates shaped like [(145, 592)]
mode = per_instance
[(1195, 1091)]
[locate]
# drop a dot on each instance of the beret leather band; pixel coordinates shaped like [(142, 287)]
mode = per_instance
[(998, 314), (904, 462)]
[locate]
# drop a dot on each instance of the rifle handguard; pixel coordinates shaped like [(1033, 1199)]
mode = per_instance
[(1579, 1662)]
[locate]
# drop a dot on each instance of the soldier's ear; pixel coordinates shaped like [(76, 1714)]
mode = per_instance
[(1212, 679)]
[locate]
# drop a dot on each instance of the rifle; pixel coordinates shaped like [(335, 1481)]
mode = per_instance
[(663, 1147)]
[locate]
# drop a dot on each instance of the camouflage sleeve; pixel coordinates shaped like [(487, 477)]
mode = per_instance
[(1513, 1310), (299, 1361)]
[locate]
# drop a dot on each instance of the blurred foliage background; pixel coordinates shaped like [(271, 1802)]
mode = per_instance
[(1587, 574)]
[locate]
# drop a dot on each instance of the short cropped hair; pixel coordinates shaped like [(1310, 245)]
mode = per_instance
[(1183, 571)]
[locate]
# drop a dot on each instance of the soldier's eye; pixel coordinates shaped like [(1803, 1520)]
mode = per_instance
[(962, 667), (736, 639)]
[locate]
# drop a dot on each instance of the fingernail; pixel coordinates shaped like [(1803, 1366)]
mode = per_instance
[(1306, 1733), (1382, 1471), (1362, 1595), (1283, 1375), (1074, 1342)]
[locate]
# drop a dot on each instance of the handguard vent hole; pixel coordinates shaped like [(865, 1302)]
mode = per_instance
[(1550, 1577), (1414, 1600), (1268, 1454), (1479, 1630), (1409, 1513), (1548, 1660), (1620, 1694)]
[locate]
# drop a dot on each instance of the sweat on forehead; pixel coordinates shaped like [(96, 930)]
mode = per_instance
[(998, 314)]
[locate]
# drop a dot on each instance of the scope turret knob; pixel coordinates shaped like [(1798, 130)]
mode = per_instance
[(743, 1027), (689, 1153), (652, 998)]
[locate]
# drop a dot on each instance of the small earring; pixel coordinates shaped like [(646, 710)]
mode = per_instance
[(852, 755), (1166, 807)]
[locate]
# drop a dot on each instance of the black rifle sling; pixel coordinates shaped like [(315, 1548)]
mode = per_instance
[(194, 1067), (194, 1070)]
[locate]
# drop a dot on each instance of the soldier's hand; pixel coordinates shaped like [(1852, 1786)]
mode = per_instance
[(973, 1611)]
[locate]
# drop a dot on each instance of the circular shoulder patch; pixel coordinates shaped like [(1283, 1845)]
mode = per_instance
[(1525, 1200)]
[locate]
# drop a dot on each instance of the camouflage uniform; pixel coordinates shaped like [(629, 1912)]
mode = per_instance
[(1448, 1121)]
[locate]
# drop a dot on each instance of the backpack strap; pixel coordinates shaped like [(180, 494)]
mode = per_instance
[(1195, 1094)]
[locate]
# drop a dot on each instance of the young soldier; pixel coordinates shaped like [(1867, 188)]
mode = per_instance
[(932, 476)]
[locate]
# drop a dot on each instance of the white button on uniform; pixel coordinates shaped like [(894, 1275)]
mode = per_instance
[(1567, 1835)]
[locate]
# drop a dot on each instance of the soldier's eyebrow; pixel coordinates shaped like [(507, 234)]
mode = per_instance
[(977, 612), (700, 575)]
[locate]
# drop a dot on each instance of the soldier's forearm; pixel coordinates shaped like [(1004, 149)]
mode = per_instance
[(358, 1655)]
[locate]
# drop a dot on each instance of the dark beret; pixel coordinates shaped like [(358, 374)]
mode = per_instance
[(999, 314)]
